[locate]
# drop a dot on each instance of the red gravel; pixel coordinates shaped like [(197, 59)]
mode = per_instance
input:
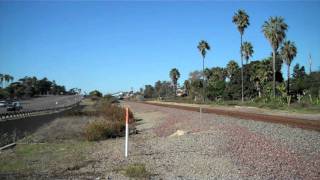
[(256, 155), (266, 158)]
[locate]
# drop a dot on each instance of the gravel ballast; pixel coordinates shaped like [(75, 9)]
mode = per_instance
[(176, 144)]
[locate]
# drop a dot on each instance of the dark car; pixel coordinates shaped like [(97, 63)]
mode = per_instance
[(14, 106)]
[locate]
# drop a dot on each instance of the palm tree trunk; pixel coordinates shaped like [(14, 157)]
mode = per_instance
[(241, 68), (204, 86), (274, 72), (175, 89), (288, 82)]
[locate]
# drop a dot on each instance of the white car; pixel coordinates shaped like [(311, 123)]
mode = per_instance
[(3, 103)]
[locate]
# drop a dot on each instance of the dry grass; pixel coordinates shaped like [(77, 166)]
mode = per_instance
[(110, 122), (136, 171), (64, 128), (103, 129), (43, 158)]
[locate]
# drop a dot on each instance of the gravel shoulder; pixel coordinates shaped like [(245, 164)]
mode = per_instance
[(221, 147)]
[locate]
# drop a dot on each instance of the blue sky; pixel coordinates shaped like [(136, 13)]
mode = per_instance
[(112, 46)]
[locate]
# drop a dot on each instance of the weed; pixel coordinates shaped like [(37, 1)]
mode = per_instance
[(136, 171)]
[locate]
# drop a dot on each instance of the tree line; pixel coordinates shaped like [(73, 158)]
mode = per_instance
[(251, 80), (30, 87)]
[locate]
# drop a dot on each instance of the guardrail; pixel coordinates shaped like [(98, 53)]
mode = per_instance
[(23, 114)]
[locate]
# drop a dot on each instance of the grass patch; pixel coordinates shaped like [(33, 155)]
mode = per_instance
[(136, 171), (46, 157)]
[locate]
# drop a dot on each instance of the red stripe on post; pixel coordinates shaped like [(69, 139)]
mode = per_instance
[(127, 115)]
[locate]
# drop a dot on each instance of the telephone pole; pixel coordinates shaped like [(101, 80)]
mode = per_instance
[(310, 63)]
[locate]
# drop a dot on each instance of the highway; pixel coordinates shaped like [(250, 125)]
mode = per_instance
[(47, 102)]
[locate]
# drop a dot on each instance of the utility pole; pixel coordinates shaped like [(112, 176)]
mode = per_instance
[(310, 63)]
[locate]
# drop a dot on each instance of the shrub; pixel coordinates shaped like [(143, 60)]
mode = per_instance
[(103, 129), (115, 113), (136, 171), (111, 122)]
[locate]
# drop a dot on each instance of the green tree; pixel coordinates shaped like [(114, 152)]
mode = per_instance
[(298, 81), (187, 87), (259, 74), (44, 86), (216, 82), (288, 53), (218, 74), (29, 90), (149, 91), (95, 93), (16, 90), (4, 93), (247, 50), (313, 84), (298, 72), (174, 75), (196, 84), (232, 67), (241, 20), (275, 31), (203, 47), (157, 87)]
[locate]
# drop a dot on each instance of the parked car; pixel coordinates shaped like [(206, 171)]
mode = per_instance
[(14, 106), (3, 103)]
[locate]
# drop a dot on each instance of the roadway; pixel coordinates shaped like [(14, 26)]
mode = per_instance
[(46, 102)]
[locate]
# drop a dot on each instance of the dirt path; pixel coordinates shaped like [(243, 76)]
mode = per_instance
[(175, 144)]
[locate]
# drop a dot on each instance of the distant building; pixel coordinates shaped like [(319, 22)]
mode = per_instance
[(181, 92)]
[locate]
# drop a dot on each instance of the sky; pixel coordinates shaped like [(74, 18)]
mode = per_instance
[(116, 46)]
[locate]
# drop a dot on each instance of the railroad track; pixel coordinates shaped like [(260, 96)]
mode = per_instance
[(290, 121)]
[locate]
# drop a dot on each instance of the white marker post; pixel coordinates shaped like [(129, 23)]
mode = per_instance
[(56, 105), (127, 132)]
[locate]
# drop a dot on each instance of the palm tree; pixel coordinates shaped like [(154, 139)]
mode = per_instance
[(11, 78), (232, 67), (275, 31), (7, 78), (174, 75), (203, 46), (288, 53), (1, 79), (247, 51), (241, 19)]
